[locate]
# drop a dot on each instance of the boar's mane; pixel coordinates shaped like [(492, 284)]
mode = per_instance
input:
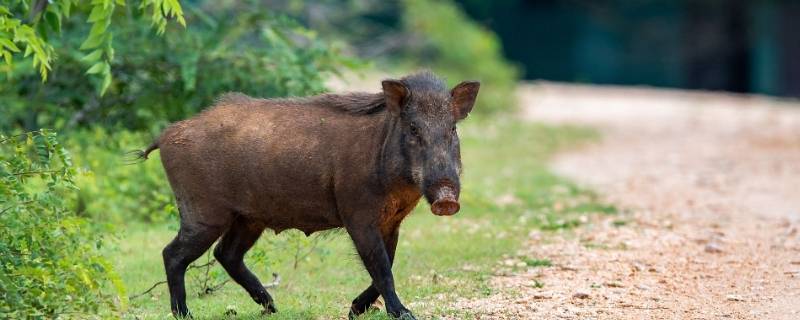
[(362, 103)]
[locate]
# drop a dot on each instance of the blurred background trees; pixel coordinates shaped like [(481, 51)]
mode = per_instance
[(738, 46), (256, 47), (156, 80), (413, 34)]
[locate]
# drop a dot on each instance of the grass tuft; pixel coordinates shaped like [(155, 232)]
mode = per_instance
[(538, 262)]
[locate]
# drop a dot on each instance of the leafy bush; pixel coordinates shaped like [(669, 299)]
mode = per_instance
[(460, 49), (227, 46), (433, 34), (113, 188), (28, 24), (49, 261)]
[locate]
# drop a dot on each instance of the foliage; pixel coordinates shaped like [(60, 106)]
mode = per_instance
[(411, 34), (164, 79), (460, 49), (49, 261), (46, 17), (115, 189)]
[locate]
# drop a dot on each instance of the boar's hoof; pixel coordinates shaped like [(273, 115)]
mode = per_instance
[(181, 315), (356, 311), (406, 316), (269, 309), (402, 314)]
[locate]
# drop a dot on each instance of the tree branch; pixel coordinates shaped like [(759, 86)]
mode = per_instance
[(25, 173), (147, 291)]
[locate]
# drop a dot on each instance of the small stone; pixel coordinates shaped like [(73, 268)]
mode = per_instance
[(733, 297), (509, 262), (567, 268), (655, 270), (469, 267), (713, 248), (580, 295)]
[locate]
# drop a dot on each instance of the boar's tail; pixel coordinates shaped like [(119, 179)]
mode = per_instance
[(143, 154), (137, 156)]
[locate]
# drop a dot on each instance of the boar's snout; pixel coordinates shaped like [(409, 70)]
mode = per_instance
[(445, 199)]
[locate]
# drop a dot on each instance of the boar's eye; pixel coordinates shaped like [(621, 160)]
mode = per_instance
[(414, 130)]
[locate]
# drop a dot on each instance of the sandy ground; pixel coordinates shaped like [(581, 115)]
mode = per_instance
[(709, 185)]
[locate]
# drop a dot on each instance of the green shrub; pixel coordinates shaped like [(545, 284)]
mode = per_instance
[(227, 46), (114, 188), (26, 28), (460, 49), (49, 261)]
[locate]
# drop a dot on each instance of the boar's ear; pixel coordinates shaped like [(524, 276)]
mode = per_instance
[(396, 94), (464, 95)]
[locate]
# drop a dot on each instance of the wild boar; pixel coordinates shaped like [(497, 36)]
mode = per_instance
[(360, 161)]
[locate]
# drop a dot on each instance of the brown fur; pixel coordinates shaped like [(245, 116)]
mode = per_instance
[(285, 149)]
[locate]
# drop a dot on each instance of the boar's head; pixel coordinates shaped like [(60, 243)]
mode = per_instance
[(427, 114)]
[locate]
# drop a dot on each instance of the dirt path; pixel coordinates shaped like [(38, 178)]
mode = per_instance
[(710, 186)]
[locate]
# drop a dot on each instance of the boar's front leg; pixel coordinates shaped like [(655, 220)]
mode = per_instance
[(368, 297), (370, 246)]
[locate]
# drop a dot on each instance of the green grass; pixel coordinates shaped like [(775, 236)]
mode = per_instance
[(507, 191), (538, 262)]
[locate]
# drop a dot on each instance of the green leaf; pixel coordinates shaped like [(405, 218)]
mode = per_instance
[(94, 56), (8, 44), (28, 51), (106, 83), (41, 28), (98, 13), (94, 41), (8, 57), (54, 20), (100, 27), (65, 7), (42, 150), (97, 67)]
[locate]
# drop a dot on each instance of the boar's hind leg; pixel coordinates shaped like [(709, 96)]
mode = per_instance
[(230, 253), (190, 243), (368, 297), (370, 246)]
